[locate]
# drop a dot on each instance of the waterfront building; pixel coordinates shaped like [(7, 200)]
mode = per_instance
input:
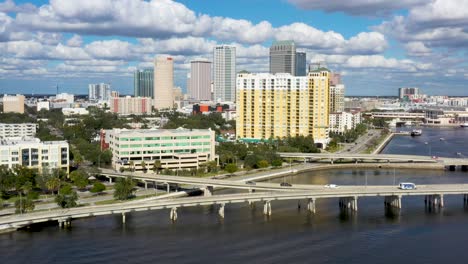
[(224, 73), (143, 83), (13, 103), (131, 105), (174, 148), (301, 64), (337, 94), (282, 105), (33, 153), (17, 130), (99, 92), (344, 121), (163, 83), (200, 80)]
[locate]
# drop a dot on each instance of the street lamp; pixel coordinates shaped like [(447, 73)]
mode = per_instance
[(430, 149)]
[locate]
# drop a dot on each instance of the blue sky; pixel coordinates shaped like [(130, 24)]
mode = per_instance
[(377, 45)]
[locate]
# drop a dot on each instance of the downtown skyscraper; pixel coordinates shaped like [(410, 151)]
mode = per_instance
[(285, 59), (224, 73), (143, 83), (163, 83), (199, 85)]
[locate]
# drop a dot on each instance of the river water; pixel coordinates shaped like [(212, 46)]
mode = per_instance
[(291, 235)]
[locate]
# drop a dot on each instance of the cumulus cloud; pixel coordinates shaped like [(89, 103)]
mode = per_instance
[(75, 41), (110, 49), (358, 7), (417, 49), (10, 6)]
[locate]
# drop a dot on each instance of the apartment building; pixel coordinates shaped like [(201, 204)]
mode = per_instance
[(17, 130)]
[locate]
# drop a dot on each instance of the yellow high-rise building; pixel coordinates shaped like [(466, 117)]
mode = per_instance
[(281, 105)]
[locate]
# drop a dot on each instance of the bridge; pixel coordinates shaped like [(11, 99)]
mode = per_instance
[(348, 200), (362, 157), (401, 115)]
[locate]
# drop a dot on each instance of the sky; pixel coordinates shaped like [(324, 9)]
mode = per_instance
[(377, 45)]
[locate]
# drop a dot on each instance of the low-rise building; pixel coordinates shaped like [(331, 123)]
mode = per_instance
[(17, 130), (13, 103), (43, 105), (74, 111), (131, 105), (174, 148), (33, 153), (343, 121)]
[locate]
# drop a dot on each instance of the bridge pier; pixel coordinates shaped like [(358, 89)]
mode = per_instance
[(350, 203), (311, 205), (64, 222), (110, 179), (433, 201), (123, 217), (221, 210), (208, 191), (393, 201), (173, 214), (168, 187), (267, 208)]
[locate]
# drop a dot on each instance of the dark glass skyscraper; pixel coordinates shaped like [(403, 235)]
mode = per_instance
[(301, 61), (143, 83)]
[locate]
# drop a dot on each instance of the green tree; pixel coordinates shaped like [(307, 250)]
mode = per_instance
[(24, 205), (98, 187), (157, 166), (231, 168), (53, 184), (67, 197), (79, 178), (123, 188), (262, 164), (277, 163), (143, 165), (7, 179)]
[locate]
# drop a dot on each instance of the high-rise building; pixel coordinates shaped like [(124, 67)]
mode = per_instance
[(282, 105), (224, 73), (163, 82), (337, 98), (408, 91), (100, 91), (131, 105), (283, 57), (13, 103), (301, 64), (143, 83), (200, 80)]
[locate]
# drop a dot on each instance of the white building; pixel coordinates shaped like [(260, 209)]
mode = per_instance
[(17, 130), (33, 153), (75, 111), (224, 73), (43, 105), (163, 83), (174, 148), (99, 92), (66, 97), (343, 121)]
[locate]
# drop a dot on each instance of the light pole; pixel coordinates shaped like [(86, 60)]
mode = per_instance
[(430, 150)]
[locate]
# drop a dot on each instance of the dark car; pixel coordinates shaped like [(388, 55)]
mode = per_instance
[(250, 182), (285, 184)]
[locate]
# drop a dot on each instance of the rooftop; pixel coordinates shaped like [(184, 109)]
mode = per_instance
[(283, 42), (180, 130)]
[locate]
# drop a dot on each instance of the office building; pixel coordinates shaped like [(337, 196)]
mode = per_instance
[(99, 92), (408, 92), (131, 105), (282, 105), (301, 64), (143, 83), (17, 130), (200, 80), (163, 83), (174, 148), (33, 153), (337, 93), (283, 57), (13, 103), (224, 73)]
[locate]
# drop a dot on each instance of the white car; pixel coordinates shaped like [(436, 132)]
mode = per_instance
[(331, 186)]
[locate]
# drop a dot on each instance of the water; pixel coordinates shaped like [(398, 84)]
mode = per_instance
[(373, 235)]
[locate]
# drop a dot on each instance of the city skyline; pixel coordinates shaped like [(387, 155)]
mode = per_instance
[(409, 44)]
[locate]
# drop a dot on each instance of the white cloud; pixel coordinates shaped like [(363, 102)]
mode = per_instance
[(75, 41), (110, 49), (241, 30), (358, 7), (417, 48)]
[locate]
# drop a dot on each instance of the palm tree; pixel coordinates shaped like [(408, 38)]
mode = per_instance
[(157, 166), (132, 165), (143, 165), (53, 184)]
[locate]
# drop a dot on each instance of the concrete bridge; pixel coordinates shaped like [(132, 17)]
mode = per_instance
[(348, 200)]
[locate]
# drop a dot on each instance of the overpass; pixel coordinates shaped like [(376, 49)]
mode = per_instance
[(400, 115), (348, 200), (364, 157)]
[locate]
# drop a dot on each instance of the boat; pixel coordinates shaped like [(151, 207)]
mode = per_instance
[(416, 132), (442, 139), (464, 125)]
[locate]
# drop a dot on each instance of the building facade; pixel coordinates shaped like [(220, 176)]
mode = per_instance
[(163, 82), (143, 83), (337, 94), (344, 121), (282, 105), (174, 148), (13, 103), (283, 57), (99, 92), (17, 130), (408, 91), (224, 73), (131, 105), (200, 80), (35, 154), (301, 64)]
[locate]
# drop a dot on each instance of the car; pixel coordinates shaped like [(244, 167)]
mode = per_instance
[(285, 184), (331, 186), (407, 186), (250, 182)]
